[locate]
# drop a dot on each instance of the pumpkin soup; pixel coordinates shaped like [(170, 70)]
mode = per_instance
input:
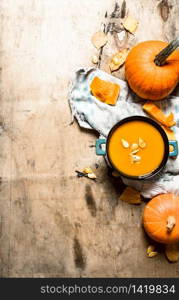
[(136, 148)]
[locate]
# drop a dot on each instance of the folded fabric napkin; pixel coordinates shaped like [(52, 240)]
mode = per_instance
[(94, 114)]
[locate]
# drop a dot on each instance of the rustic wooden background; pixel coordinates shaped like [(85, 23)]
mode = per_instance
[(51, 222)]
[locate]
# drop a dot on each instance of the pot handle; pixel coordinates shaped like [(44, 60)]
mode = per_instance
[(99, 150), (175, 148)]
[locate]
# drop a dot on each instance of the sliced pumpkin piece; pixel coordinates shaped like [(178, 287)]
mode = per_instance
[(130, 196), (154, 111), (105, 91)]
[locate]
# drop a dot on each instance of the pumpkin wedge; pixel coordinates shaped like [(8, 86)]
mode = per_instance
[(154, 111), (105, 91)]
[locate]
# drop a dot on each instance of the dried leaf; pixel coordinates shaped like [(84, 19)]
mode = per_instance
[(123, 9), (130, 24), (130, 196), (99, 39), (172, 252), (164, 9), (118, 60)]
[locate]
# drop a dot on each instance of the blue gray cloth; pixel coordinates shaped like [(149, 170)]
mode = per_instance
[(94, 114)]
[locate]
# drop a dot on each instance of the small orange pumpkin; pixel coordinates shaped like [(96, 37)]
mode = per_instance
[(152, 69), (161, 218)]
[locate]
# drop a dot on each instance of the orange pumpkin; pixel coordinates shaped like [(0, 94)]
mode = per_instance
[(152, 69), (161, 218)]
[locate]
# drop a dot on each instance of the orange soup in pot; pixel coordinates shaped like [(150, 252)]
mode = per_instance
[(136, 148)]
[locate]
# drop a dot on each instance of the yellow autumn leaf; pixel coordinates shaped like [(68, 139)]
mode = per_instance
[(99, 39), (130, 196), (118, 59), (130, 24)]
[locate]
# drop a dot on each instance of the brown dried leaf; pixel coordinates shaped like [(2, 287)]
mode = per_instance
[(118, 59), (130, 196), (172, 252), (99, 39), (130, 24)]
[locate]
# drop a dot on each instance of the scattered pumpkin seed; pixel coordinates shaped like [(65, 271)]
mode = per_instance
[(152, 254), (134, 146), (125, 143), (135, 151), (94, 59), (150, 249), (135, 158)]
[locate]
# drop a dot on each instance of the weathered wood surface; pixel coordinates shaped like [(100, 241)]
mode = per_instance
[(52, 223)]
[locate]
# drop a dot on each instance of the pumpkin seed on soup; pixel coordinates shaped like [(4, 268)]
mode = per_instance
[(125, 143), (142, 143), (134, 146)]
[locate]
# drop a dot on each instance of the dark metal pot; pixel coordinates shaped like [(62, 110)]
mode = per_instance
[(167, 154)]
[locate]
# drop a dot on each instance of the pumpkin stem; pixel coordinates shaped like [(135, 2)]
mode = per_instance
[(160, 58), (171, 221)]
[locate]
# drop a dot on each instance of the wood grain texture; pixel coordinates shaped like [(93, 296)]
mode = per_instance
[(53, 224)]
